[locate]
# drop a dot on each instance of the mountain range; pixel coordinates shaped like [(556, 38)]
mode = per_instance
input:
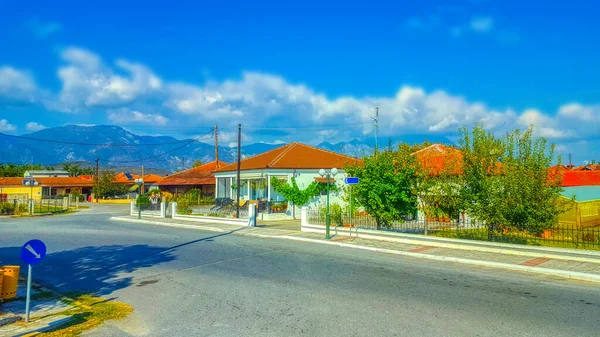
[(119, 148)]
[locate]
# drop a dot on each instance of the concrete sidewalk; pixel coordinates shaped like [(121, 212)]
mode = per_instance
[(555, 262), (46, 309)]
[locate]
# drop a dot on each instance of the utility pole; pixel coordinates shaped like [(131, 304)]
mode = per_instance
[(239, 166), (142, 187), (217, 146), (376, 125), (97, 180), (182, 163), (570, 162)]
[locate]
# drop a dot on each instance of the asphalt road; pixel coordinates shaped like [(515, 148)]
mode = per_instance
[(193, 283)]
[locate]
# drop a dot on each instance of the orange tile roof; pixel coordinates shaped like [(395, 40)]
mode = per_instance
[(11, 181), (438, 159), (120, 178), (294, 156), (151, 178), (50, 181), (581, 178), (201, 175)]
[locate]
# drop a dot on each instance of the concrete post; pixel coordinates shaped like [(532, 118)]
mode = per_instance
[(173, 210), (251, 215), (31, 206), (163, 209), (304, 220), (132, 210)]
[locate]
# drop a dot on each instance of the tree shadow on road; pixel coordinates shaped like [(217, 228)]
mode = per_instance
[(95, 269)]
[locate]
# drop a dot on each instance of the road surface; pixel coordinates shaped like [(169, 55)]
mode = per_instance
[(192, 283)]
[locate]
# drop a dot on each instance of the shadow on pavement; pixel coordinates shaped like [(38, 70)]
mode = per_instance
[(95, 269)]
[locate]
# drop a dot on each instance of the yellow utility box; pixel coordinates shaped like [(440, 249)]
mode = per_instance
[(9, 281)]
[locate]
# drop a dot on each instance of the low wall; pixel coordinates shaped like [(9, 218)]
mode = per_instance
[(250, 221), (161, 213)]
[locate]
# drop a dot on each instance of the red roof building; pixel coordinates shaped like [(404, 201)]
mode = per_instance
[(439, 159), (296, 160), (581, 178), (201, 177)]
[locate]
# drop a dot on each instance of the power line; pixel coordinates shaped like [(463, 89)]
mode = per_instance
[(349, 126), (90, 144)]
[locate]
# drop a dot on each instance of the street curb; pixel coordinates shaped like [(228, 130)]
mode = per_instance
[(520, 251), (160, 223), (543, 271), (497, 265)]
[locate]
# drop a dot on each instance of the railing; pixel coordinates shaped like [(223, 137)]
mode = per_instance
[(222, 209), (563, 235), (39, 206)]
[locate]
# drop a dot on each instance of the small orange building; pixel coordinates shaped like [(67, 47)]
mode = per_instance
[(201, 177)]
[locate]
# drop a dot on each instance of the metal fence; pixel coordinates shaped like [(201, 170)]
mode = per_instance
[(563, 235), (220, 209), (39, 206)]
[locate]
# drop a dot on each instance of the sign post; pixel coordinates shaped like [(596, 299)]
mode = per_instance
[(32, 252), (351, 181)]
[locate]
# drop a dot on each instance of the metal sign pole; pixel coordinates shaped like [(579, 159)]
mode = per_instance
[(28, 293), (351, 211), (32, 252)]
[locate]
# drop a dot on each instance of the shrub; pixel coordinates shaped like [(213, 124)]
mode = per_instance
[(183, 206), (7, 208), (589, 237), (143, 200), (335, 212), (21, 209), (167, 195)]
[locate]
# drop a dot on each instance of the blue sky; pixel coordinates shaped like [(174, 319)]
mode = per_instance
[(430, 66)]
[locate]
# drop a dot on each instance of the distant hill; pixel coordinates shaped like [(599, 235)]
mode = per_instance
[(69, 145)]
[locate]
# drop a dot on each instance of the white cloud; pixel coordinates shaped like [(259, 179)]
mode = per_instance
[(5, 126), (482, 24), (43, 29), (17, 84), (284, 111), (88, 82), (34, 126), (125, 116)]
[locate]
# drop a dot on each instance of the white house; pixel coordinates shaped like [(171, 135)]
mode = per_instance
[(292, 160)]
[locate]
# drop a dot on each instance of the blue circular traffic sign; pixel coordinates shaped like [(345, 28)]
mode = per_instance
[(33, 251)]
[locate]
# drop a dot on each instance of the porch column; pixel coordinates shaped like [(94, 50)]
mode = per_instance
[(268, 188), (216, 188), (248, 183)]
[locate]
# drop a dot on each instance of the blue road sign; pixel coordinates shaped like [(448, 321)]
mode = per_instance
[(33, 252), (351, 180)]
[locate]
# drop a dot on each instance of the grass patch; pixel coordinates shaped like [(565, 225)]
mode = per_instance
[(89, 312)]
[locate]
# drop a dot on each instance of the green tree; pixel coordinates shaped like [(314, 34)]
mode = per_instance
[(507, 181), (14, 170), (532, 194), (106, 187), (438, 182), (76, 170), (481, 193), (293, 193), (197, 163), (386, 186)]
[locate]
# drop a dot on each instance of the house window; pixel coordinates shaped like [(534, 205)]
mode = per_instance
[(224, 187)]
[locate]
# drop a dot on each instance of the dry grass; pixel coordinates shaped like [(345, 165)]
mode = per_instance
[(89, 312)]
